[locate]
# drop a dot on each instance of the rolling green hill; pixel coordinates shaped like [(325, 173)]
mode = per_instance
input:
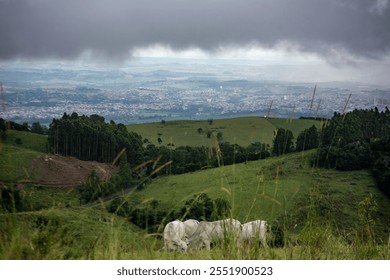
[(280, 190), (242, 131), (324, 213), (26, 140)]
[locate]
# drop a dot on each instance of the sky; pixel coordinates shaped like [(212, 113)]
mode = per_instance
[(348, 38)]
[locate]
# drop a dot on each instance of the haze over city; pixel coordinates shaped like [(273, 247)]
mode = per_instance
[(183, 54)]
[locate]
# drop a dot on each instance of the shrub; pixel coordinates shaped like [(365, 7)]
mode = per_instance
[(10, 199)]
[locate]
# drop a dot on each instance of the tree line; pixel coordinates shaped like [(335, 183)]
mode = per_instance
[(91, 138), (356, 140), (35, 127)]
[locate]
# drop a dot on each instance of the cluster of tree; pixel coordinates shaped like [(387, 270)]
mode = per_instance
[(358, 140), (313, 118), (4, 125), (95, 188), (35, 127), (188, 159), (91, 138), (153, 218), (283, 142)]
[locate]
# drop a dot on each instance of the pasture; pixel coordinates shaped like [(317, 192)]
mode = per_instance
[(242, 131)]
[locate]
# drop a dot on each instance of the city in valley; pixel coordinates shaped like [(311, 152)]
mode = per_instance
[(156, 89)]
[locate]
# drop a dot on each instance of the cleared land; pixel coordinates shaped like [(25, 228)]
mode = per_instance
[(23, 166)]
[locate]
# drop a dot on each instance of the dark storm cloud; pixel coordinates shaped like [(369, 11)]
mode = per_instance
[(65, 28)]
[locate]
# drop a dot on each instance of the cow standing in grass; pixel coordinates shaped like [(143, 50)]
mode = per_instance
[(175, 237), (191, 226), (255, 231), (210, 231)]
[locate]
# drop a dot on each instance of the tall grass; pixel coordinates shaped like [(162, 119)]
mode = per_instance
[(85, 233)]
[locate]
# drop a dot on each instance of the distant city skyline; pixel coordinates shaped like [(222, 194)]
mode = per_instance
[(158, 88)]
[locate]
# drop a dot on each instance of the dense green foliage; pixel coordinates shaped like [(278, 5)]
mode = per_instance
[(308, 139), (95, 188), (90, 138), (189, 159), (283, 142), (11, 200), (357, 140), (4, 125)]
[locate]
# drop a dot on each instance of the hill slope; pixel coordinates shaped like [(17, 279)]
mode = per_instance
[(281, 190), (242, 131), (22, 165)]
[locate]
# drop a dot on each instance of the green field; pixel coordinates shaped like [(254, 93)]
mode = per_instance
[(242, 131), (26, 140), (15, 163)]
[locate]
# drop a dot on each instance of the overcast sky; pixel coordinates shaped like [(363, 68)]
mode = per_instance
[(343, 34)]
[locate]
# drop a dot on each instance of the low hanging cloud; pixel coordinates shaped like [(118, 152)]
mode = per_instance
[(114, 28)]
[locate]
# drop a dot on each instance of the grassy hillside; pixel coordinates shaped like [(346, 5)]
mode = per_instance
[(17, 149), (281, 190), (318, 210), (26, 140), (242, 131), (15, 162)]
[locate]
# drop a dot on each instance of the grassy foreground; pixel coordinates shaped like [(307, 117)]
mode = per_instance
[(320, 211), (79, 233)]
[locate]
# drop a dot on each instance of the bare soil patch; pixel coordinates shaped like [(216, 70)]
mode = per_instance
[(55, 170)]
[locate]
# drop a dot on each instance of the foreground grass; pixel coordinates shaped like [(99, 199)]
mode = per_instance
[(67, 233), (79, 233)]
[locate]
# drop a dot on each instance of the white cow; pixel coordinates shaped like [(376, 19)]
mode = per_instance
[(208, 231), (174, 237), (255, 230), (190, 227)]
